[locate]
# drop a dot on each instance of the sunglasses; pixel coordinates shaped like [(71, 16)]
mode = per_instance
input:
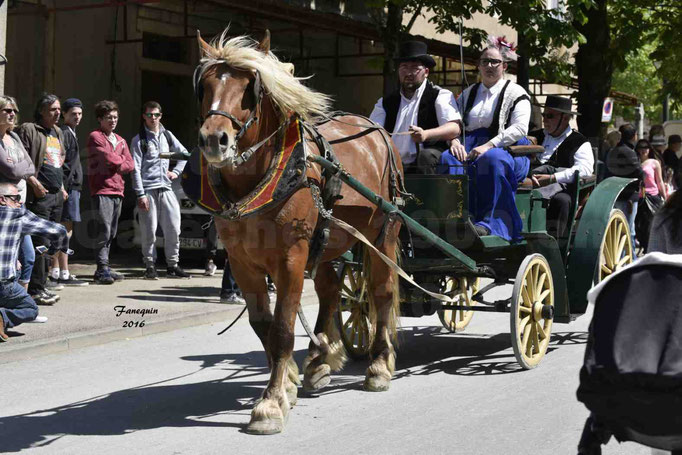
[(10, 110), (12, 197), (490, 61), (548, 116), (153, 114)]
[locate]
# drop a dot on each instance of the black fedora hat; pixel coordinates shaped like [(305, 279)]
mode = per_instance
[(559, 103), (415, 50)]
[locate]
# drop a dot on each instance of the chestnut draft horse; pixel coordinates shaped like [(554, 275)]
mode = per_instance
[(249, 100)]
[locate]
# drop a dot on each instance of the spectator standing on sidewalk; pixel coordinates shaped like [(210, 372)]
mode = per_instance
[(72, 111), (156, 200), (623, 161), (45, 144), (16, 306), (108, 159), (229, 289), (672, 158), (15, 167)]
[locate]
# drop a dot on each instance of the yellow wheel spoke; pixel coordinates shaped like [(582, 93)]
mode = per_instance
[(541, 331), (541, 282), (625, 260), (544, 295), (605, 270), (621, 247), (525, 297)]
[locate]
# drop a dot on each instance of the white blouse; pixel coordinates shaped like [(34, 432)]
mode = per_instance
[(483, 110)]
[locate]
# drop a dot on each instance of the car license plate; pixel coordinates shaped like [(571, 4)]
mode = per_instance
[(193, 244)]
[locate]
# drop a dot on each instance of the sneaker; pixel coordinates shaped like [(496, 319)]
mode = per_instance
[(232, 298), (150, 273), (117, 276), (52, 295), (54, 274), (43, 298), (72, 281), (38, 320), (210, 269), (481, 230), (177, 272), (53, 285), (103, 276)]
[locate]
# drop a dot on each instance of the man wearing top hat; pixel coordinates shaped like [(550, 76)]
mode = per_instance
[(421, 116), (566, 151)]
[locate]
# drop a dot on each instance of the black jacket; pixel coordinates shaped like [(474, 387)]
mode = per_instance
[(73, 170)]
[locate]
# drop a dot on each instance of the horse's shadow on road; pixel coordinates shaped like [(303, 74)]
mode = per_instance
[(422, 351), (162, 404)]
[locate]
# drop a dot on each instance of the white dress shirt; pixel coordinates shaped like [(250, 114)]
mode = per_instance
[(583, 160), (446, 111), (483, 110)]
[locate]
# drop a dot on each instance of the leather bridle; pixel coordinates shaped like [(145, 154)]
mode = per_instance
[(243, 126)]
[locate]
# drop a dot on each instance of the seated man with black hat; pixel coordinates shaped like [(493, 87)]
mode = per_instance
[(566, 151), (421, 115)]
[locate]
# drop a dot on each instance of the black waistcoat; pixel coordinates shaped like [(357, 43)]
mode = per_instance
[(426, 116), (564, 155)]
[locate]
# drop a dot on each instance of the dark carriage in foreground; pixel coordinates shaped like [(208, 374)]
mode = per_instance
[(443, 253)]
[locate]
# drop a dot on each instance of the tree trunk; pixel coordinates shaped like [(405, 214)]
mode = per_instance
[(522, 65), (391, 36), (594, 67)]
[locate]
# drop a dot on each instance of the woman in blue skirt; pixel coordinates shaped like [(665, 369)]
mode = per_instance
[(496, 114)]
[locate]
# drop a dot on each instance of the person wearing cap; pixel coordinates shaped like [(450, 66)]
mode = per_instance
[(72, 112), (496, 114), (421, 116), (566, 151), (672, 158)]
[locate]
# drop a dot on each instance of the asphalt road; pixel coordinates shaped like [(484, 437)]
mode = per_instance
[(190, 392)]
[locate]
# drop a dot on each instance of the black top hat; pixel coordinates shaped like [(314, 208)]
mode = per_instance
[(559, 103), (415, 50)]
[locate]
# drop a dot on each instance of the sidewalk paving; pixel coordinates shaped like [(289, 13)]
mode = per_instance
[(89, 315)]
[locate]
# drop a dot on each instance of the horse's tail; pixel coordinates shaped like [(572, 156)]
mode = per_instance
[(394, 315)]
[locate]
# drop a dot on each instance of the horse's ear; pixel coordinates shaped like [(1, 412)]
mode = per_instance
[(264, 45), (205, 49)]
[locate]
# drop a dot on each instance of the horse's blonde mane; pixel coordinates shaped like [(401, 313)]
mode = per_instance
[(285, 90)]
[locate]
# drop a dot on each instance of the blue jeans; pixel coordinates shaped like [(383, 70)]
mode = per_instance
[(16, 306), (630, 214), (27, 256)]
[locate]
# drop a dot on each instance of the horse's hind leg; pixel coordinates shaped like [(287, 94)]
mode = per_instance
[(383, 291), (330, 355)]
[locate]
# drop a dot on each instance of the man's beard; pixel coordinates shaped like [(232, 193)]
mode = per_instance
[(409, 87)]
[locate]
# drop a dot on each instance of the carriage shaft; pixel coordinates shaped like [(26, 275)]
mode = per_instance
[(416, 228)]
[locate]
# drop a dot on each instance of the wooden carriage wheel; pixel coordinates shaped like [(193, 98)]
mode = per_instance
[(532, 311), (463, 289), (616, 247), (353, 313)]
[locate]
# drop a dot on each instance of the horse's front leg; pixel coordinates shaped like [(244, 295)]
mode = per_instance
[(330, 355), (255, 291), (270, 414)]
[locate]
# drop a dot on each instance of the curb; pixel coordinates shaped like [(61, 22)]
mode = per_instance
[(35, 349)]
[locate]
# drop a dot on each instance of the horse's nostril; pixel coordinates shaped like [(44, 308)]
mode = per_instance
[(223, 140)]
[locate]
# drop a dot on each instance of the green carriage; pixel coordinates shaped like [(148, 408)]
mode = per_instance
[(443, 253)]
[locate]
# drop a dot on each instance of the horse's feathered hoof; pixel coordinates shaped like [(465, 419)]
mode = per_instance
[(377, 384), (292, 394), (316, 377), (267, 426)]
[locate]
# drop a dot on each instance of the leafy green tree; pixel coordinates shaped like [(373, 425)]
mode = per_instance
[(639, 77)]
